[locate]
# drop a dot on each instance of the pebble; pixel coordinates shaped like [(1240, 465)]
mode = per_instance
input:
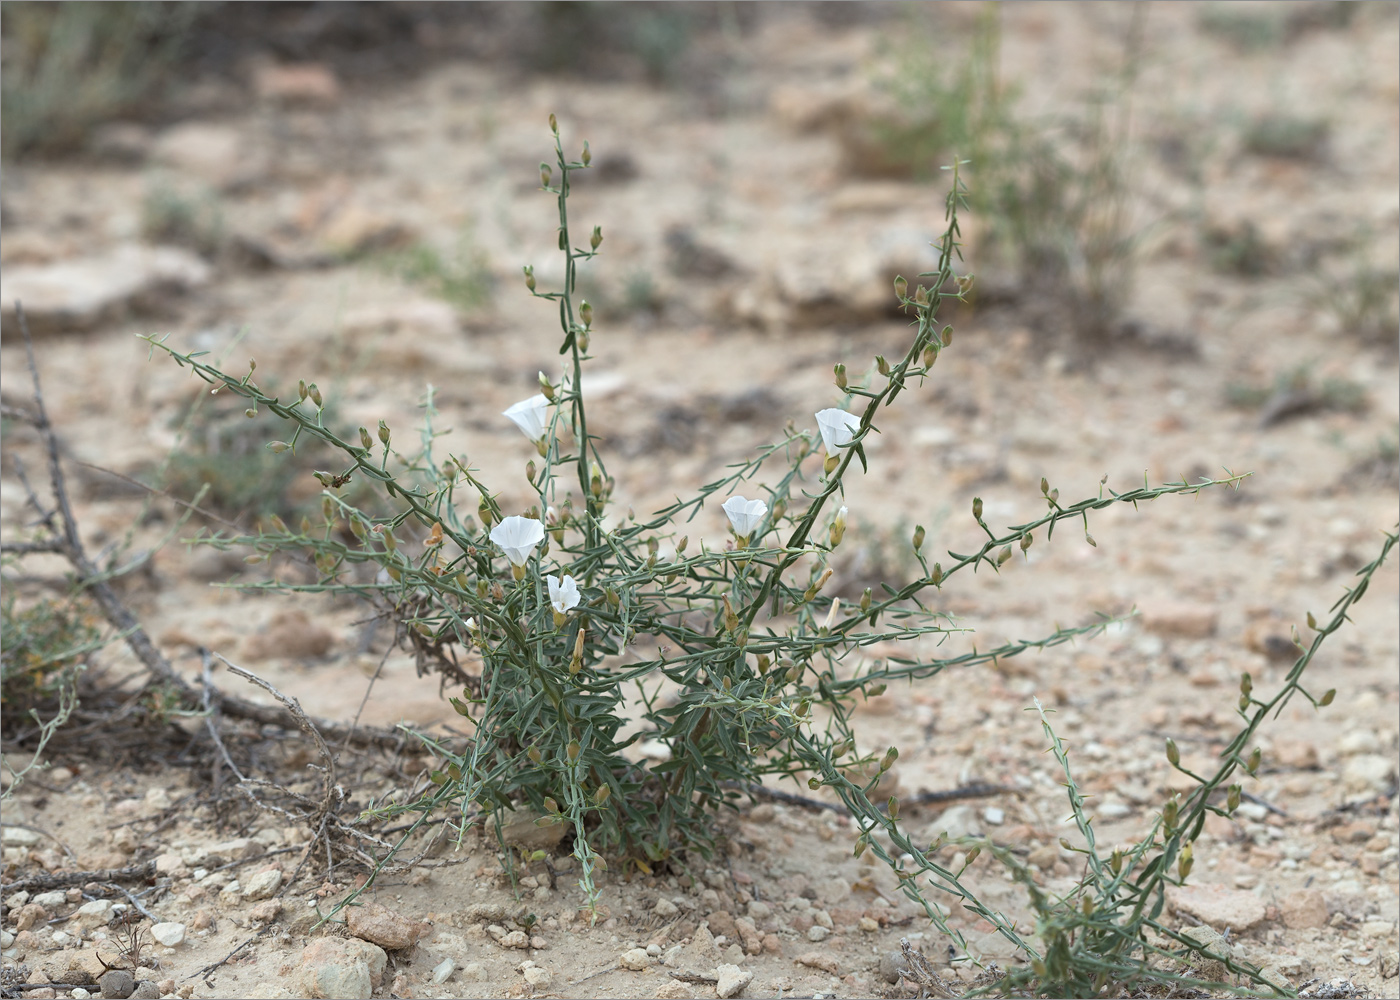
[(442, 970), (957, 821), (635, 959), (170, 934), (51, 900), (1368, 773), (79, 993), (538, 977), (377, 923), (515, 939), (473, 972), (665, 909), (341, 967), (94, 913), (731, 980), (818, 933), (1182, 620), (117, 983), (146, 990)]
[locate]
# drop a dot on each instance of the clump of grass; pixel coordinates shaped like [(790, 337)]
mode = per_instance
[(1297, 392), (194, 221), (70, 66), (462, 279), (42, 644), (1364, 299), (1240, 250), (1287, 137)]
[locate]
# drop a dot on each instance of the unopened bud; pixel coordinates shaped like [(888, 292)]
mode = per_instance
[(315, 394), (1232, 800), (530, 470), (838, 528), (585, 313), (601, 795), (764, 663), (546, 387), (977, 508), (832, 461), (930, 356), (814, 783), (1044, 486), (1173, 754), (947, 335), (301, 389), (1026, 540), (597, 238), (1246, 683), (918, 537), (383, 433), (483, 511), (546, 174), (882, 365), (534, 754), (972, 856), (529, 277), (937, 575), (802, 708), (563, 239), (1005, 555), (1115, 861), (1169, 814), (613, 600), (1312, 622), (251, 412), (366, 441), (860, 847), (1090, 539), (1252, 765), (901, 287), (865, 600), (572, 751), (587, 156), (891, 755), (553, 123), (893, 807), (1326, 699), (840, 371), (1185, 861), (277, 447), (583, 339), (680, 546)]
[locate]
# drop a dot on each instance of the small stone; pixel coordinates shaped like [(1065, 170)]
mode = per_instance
[(28, 915), (238, 849), (473, 972), (531, 830), (732, 980), (1300, 754), (1378, 929), (635, 959), (818, 933), (1182, 620), (265, 912), (443, 970), (819, 960), (1368, 774), (384, 927), (674, 989), (297, 83), (51, 901), (94, 913), (170, 934), (1219, 907), (701, 954), (833, 890), (537, 977), (44, 993), (665, 909), (994, 816), (146, 990), (79, 993), (172, 865), (515, 939), (117, 983), (1358, 741), (538, 943), (341, 967), (19, 836)]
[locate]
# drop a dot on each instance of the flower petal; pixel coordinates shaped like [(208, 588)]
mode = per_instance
[(745, 515), (837, 427), (563, 594), (517, 536), (530, 415)]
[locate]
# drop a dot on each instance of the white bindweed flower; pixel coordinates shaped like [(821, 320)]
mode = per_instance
[(838, 428), (530, 415), (563, 594), (517, 536), (745, 515)]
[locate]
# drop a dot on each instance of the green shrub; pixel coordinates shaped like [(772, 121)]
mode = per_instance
[(740, 657)]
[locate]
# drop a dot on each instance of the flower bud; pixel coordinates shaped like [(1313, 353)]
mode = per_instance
[(483, 511), (972, 856), (977, 508), (1026, 540), (1326, 699), (277, 447), (918, 537), (937, 575), (1252, 765), (530, 470), (803, 707), (546, 174), (587, 156), (861, 844), (838, 528), (553, 123), (1312, 622), (893, 807), (901, 287), (596, 238), (1246, 684), (930, 356), (832, 461), (1232, 800), (764, 663), (865, 600), (327, 509), (534, 754), (572, 751), (680, 546), (583, 340), (840, 371), (1184, 862), (1169, 814), (585, 313), (794, 671), (366, 442), (1090, 539), (947, 336), (891, 755), (315, 395), (1005, 555), (301, 389), (1173, 754), (814, 783), (251, 412), (1115, 861), (383, 433), (1044, 486), (882, 365)]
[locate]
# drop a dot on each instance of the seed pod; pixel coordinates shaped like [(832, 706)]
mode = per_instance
[(680, 546), (1086, 906), (1026, 540), (530, 470), (1244, 702), (1054, 495), (763, 664), (1312, 622), (613, 600), (366, 442), (802, 707), (1173, 754), (327, 509), (251, 412), (1090, 539), (814, 783), (1169, 814), (921, 296), (901, 287), (277, 523), (930, 356), (1115, 862), (585, 313), (893, 807), (534, 754), (601, 795), (972, 856), (1326, 699), (483, 511), (794, 671), (891, 755), (977, 508), (1246, 683), (918, 537), (550, 806), (1184, 862), (597, 238), (861, 844), (529, 277), (840, 371), (937, 575)]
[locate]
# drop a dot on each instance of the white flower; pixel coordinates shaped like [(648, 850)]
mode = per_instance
[(838, 428), (517, 536), (563, 594), (745, 515), (530, 415)]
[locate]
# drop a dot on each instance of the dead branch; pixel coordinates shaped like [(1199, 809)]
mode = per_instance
[(64, 880)]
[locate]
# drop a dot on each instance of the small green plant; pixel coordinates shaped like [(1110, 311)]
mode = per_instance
[(463, 280), (737, 656), (1365, 300), (195, 221), (1287, 137)]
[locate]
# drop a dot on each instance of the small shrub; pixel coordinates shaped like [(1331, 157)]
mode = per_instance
[(740, 655)]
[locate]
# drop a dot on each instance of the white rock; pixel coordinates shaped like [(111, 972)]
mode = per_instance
[(262, 884), (94, 913), (442, 970), (732, 980), (19, 836), (957, 821), (1368, 773), (994, 816), (473, 972), (158, 798), (7, 938), (817, 933), (635, 959), (51, 900), (235, 850), (665, 909), (79, 993), (538, 977), (170, 934), (1358, 741), (218, 155)]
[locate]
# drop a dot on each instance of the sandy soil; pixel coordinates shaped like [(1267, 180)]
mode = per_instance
[(753, 168)]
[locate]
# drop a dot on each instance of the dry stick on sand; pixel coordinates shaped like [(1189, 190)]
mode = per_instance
[(66, 541)]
